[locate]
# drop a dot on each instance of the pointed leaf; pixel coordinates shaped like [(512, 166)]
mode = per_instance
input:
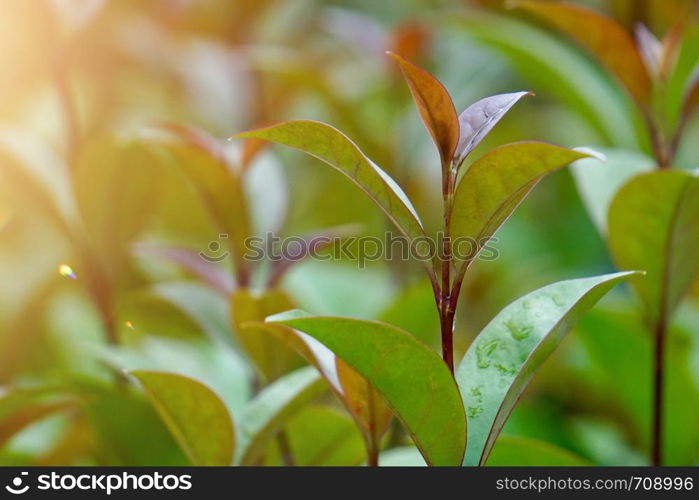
[(598, 182), (355, 392), (649, 47), (435, 106), (493, 187), (337, 150), (654, 225), (505, 355), (411, 377), (476, 121), (193, 413), (606, 39), (266, 415)]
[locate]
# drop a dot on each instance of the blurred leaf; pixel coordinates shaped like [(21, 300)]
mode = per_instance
[(271, 357), (403, 456), (558, 69), (209, 272), (503, 358), (649, 48), (216, 366), (393, 361), (218, 182), (330, 288), (21, 407), (598, 182), (479, 118), (194, 414), (267, 192), (690, 100), (138, 437), (323, 436), (493, 187), (604, 38), (309, 246), (527, 452), (116, 187), (337, 150), (413, 310), (435, 106), (365, 404), (356, 393), (654, 226), (267, 414)]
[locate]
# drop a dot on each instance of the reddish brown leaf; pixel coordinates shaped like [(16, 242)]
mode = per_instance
[(606, 39), (435, 106)]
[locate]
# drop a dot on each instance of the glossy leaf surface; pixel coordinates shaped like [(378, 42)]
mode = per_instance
[(654, 226), (193, 413), (411, 377), (506, 353)]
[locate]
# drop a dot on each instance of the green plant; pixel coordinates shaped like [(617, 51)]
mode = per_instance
[(650, 218), (477, 200)]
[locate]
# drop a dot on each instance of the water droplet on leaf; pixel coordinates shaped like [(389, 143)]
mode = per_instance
[(518, 332)]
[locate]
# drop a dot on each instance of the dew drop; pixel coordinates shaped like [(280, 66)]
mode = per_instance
[(518, 332), (66, 271), (483, 352), (474, 411), (558, 300)]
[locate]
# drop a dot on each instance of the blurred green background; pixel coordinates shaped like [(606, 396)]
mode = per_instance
[(85, 83)]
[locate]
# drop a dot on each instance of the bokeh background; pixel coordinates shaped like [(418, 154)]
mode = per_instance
[(85, 83)]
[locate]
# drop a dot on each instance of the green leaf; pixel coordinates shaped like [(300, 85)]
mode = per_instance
[(116, 188), (602, 36), (267, 414), (598, 182), (493, 187), (505, 355), (219, 182), (414, 311), (654, 226), (322, 436), (193, 413), (435, 106), (411, 377), (337, 150), (479, 118), (555, 68), (21, 407), (527, 452), (356, 393), (403, 456), (272, 357)]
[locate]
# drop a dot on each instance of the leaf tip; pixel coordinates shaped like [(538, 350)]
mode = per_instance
[(591, 153)]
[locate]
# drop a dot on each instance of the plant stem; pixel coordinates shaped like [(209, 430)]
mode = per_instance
[(372, 456), (658, 391), (285, 449), (444, 300)]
